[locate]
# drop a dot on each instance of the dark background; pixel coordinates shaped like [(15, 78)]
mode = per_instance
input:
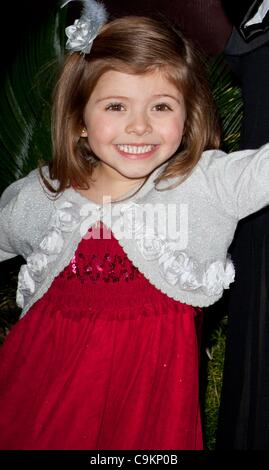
[(203, 21)]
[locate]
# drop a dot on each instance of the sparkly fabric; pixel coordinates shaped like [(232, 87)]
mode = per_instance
[(105, 267), (103, 360)]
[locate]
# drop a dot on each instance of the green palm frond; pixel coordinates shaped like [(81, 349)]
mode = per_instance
[(227, 95), (25, 101)]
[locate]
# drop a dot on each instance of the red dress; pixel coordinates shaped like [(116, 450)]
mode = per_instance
[(104, 360)]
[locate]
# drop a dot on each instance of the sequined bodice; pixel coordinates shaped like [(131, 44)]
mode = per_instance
[(109, 268), (96, 260), (100, 280)]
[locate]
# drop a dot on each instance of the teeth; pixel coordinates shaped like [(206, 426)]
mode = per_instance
[(136, 149)]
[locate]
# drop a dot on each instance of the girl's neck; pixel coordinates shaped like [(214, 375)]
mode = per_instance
[(113, 188)]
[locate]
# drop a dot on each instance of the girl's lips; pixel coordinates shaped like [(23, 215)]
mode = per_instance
[(138, 156)]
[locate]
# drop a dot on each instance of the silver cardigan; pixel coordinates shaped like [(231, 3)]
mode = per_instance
[(178, 238)]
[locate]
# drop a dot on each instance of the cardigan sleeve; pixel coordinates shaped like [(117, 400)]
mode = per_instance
[(8, 202), (239, 180)]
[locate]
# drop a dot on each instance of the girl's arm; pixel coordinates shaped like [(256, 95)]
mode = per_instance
[(7, 210), (240, 180)]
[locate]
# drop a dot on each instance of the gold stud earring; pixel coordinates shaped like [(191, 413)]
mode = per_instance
[(84, 132)]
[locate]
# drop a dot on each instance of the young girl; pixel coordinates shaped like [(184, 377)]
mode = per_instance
[(125, 237)]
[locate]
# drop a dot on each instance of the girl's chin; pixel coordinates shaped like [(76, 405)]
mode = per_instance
[(136, 176)]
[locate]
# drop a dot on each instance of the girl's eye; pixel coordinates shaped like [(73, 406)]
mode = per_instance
[(115, 107), (162, 107)]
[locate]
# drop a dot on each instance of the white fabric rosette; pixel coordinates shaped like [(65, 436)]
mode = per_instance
[(216, 278), (66, 217), (150, 244), (229, 274), (85, 29), (26, 285), (177, 267), (80, 36), (52, 243), (37, 264)]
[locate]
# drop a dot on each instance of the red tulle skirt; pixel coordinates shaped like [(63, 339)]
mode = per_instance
[(103, 360)]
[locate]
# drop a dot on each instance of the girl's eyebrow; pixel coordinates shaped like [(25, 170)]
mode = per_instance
[(113, 97), (128, 98), (167, 96)]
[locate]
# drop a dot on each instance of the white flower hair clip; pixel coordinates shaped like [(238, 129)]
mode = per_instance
[(85, 29)]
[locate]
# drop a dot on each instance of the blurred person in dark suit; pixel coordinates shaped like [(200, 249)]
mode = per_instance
[(244, 410)]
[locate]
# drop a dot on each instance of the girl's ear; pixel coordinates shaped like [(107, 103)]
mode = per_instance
[(84, 132)]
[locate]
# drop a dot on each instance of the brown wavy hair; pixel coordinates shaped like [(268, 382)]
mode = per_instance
[(135, 45)]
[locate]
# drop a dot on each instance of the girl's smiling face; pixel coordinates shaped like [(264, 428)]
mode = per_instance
[(134, 123)]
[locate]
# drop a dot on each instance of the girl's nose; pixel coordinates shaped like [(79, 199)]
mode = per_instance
[(139, 125)]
